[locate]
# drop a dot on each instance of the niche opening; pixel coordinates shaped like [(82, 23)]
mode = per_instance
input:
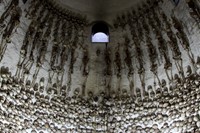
[(100, 32)]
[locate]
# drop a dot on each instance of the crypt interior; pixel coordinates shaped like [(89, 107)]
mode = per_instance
[(100, 66)]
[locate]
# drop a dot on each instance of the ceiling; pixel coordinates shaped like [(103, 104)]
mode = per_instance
[(97, 10)]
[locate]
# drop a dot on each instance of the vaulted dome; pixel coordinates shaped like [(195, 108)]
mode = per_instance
[(85, 66), (98, 9)]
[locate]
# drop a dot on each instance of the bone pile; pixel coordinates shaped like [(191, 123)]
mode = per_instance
[(147, 79), (25, 108)]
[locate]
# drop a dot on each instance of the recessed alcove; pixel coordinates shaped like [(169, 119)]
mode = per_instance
[(100, 33)]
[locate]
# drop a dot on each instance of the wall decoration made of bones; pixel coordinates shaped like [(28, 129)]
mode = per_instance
[(53, 79)]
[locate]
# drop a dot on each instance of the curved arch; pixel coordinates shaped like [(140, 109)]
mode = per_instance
[(100, 32)]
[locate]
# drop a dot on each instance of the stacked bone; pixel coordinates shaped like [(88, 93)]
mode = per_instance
[(165, 39), (25, 108), (167, 105), (58, 32)]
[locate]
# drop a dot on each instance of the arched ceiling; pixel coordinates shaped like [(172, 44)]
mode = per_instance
[(98, 9)]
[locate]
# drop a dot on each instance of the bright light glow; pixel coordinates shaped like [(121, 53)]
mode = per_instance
[(100, 37)]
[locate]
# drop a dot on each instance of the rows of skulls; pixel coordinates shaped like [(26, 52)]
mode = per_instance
[(32, 105), (67, 37), (60, 29), (25, 108), (170, 35)]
